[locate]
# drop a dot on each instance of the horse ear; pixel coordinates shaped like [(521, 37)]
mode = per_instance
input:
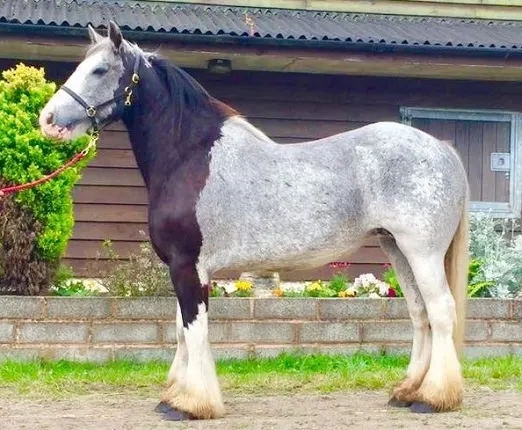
[(95, 37), (115, 34)]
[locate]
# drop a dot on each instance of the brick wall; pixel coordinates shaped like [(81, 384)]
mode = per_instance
[(101, 329)]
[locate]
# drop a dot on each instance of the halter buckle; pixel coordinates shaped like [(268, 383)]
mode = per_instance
[(91, 111), (135, 78)]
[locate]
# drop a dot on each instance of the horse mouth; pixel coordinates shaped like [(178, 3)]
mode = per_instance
[(57, 132)]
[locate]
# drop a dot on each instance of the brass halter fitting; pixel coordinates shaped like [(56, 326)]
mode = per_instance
[(128, 99), (94, 136), (91, 111)]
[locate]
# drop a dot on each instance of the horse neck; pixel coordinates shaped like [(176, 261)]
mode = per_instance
[(161, 141)]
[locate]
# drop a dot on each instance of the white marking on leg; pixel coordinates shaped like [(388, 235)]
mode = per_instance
[(421, 346), (200, 395), (178, 370)]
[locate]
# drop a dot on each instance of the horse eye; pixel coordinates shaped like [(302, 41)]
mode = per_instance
[(99, 71)]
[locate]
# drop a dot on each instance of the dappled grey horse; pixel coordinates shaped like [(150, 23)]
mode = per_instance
[(222, 195)]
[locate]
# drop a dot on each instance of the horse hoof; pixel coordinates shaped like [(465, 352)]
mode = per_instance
[(396, 403), (162, 408), (421, 408), (174, 415)]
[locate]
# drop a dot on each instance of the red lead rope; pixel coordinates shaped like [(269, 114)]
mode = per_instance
[(72, 162)]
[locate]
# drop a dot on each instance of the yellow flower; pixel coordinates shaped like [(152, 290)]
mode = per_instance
[(278, 292), (349, 292), (243, 285), (315, 286)]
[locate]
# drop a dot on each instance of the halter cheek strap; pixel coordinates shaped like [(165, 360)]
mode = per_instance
[(92, 110), (89, 110)]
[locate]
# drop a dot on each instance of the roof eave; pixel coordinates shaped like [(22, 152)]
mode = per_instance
[(55, 43), (224, 39)]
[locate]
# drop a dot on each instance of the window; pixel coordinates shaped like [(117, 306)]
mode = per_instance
[(488, 143)]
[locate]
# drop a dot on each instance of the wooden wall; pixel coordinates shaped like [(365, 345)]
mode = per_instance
[(110, 201)]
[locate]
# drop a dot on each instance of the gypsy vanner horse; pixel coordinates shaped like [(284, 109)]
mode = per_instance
[(222, 195)]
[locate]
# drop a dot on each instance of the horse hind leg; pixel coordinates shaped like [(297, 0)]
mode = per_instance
[(442, 386), (404, 394)]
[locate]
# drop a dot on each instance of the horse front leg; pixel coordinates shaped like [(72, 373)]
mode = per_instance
[(193, 390)]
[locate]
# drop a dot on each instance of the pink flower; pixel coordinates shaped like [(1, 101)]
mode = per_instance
[(391, 292), (339, 264)]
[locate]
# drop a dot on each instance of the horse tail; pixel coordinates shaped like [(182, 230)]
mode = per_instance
[(456, 264)]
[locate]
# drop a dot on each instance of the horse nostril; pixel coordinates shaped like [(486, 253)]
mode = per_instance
[(49, 118)]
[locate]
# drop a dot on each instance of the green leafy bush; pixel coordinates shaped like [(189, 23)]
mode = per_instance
[(390, 277), (143, 274), (65, 285), (339, 282), (478, 286), (496, 252), (31, 248)]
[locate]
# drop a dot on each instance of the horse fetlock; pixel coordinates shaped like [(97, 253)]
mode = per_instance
[(406, 391), (442, 396), (198, 405), (173, 380)]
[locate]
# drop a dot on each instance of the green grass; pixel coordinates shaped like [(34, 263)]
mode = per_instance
[(285, 374)]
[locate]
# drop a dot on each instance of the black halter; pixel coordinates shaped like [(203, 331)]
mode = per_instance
[(91, 110)]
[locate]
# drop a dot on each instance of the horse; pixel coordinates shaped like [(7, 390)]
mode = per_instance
[(223, 195)]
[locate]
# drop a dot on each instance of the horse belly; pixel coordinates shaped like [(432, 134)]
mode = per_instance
[(278, 226)]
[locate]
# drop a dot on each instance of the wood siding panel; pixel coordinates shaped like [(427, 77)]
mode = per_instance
[(116, 231), (108, 194), (113, 138), (113, 177), (489, 137), (85, 249), (462, 142), (114, 158), (475, 160), (110, 213), (501, 178), (269, 109)]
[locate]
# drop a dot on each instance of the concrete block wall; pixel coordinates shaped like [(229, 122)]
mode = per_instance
[(103, 328)]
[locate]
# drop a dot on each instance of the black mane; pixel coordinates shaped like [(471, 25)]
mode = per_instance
[(172, 118), (184, 90), (190, 105)]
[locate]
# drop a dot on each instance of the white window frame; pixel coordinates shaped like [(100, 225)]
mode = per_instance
[(513, 208)]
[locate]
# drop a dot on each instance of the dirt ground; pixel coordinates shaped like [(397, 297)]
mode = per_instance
[(482, 410)]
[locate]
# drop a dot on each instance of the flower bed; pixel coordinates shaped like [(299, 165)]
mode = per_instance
[(366, 286)]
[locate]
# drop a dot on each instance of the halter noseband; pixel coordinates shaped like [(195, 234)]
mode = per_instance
[(91, 110)]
